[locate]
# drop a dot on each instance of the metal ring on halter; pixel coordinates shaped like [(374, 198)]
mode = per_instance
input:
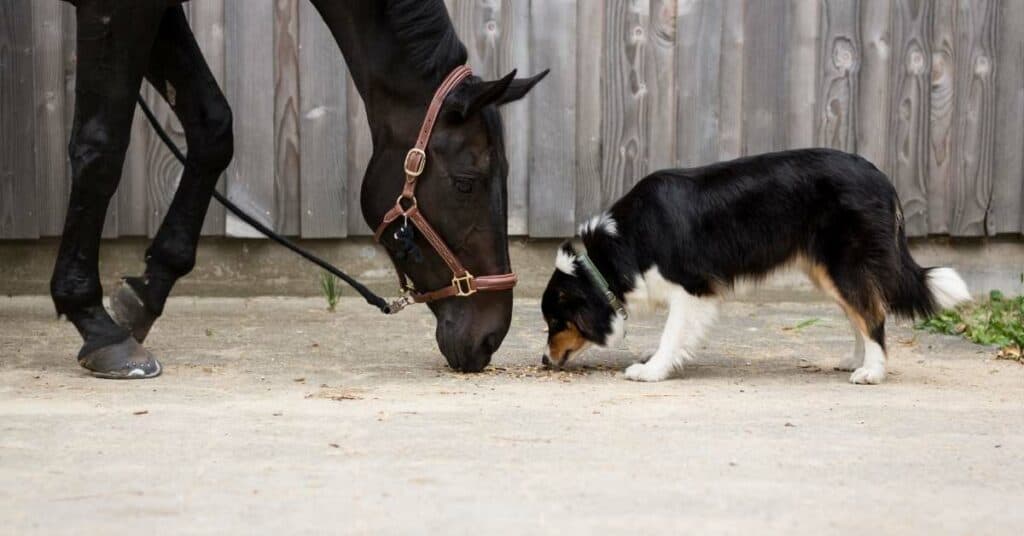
[(405, 211)]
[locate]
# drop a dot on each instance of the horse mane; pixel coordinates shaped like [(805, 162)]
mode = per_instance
[(426, 35)]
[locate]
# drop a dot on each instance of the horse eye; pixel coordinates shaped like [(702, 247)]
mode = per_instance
[(463, 184)]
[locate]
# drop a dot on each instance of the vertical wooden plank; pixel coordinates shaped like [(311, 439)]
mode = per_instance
[(873, 113), (589, 70), (322, 130), (909, 110), (161, 170), (17, 124), (553, 120), (698, 58), (624, 127), (730, 77), (803, 71), (764, 77), (1008, 166), (132, 198), (207, 20), (940, 122), (839, 67), (971, 192), (249, 48), (514, 53), (496, 35), (661, 85), (70, 52), (52, 184), (286, 116), (359, 149)]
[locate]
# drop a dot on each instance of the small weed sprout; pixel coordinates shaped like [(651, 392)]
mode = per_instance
[(997, 321), (331, 289)]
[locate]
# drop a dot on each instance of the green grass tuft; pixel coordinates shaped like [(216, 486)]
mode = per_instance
[(997, 321), (330, 287)]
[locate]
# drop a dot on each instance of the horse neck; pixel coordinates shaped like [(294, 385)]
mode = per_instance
[(392, 90)]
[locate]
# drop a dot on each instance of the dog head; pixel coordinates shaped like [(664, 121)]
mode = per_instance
[(576, 310)]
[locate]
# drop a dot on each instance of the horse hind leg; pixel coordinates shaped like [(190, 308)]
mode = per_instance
[(112, 49), (177, 64)]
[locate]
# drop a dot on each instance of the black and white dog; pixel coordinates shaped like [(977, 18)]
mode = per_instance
[(681, 238)]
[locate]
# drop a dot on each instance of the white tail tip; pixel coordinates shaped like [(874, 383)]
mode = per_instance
[(947, 287)]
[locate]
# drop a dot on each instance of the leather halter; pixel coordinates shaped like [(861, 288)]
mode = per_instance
[(463, 283)]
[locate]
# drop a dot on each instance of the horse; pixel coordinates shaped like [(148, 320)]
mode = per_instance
[(398, 52)]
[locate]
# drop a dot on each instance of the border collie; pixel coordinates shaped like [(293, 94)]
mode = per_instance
[(680, 239)]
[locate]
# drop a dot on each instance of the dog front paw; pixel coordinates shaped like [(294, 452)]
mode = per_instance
[(645, 372), (868, 375)]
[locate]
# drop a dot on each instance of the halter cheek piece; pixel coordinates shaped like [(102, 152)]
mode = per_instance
[(463, 283)]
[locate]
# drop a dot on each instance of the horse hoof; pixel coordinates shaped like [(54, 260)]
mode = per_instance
[(126, 360), (127, 309)]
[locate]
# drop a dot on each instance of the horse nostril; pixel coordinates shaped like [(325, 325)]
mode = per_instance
[(545, 361), (490, 344)]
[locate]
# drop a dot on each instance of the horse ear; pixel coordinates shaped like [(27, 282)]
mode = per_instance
[(497, 92), (480, 94), (520, 87)]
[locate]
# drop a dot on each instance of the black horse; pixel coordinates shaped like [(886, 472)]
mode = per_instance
[(398, 51)]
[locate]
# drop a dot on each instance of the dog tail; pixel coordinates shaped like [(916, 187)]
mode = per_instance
[(922, 292)]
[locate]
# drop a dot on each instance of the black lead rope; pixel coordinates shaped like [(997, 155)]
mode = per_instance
[(366, 293)]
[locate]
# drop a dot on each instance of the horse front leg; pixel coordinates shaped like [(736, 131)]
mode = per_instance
[(179, 72), (113, 48)]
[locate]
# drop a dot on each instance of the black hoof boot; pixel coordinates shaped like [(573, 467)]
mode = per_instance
[(126, 360), (128, 310)]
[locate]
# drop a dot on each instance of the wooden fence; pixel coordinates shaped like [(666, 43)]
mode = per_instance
[(931, 91)]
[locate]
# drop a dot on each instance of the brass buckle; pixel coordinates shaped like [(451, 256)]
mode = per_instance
[(419, 169), (463, 285)]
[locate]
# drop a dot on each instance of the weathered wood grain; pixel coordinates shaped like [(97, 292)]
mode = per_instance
[(51, 169), (132, 196), (514, 53), (698, 57), (589, 71), (207, 20), (802, 76), (162, 171), (249, 49), (553, 120), (941, 138), (876, 65), (839, 69), (661, 85), (17, 122), (909, 96), (323, 130), (496, 35), (359, 149), (70, 56), (971, 194), (626, 111), (730, 80), (286, 116), (1007, 211), (766, 29)]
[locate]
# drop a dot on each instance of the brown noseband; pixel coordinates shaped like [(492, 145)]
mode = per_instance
[(463, 282)]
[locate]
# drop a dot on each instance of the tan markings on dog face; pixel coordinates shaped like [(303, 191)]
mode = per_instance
[(562, 344)]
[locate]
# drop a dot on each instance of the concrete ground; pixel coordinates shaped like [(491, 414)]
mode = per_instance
[(274, 416)]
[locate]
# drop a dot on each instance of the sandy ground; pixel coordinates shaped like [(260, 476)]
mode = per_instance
[(274, 416)]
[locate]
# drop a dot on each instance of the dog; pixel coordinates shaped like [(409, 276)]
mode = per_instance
[(681, 238)]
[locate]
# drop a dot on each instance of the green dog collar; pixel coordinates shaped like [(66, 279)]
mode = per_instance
[(602, 284)]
